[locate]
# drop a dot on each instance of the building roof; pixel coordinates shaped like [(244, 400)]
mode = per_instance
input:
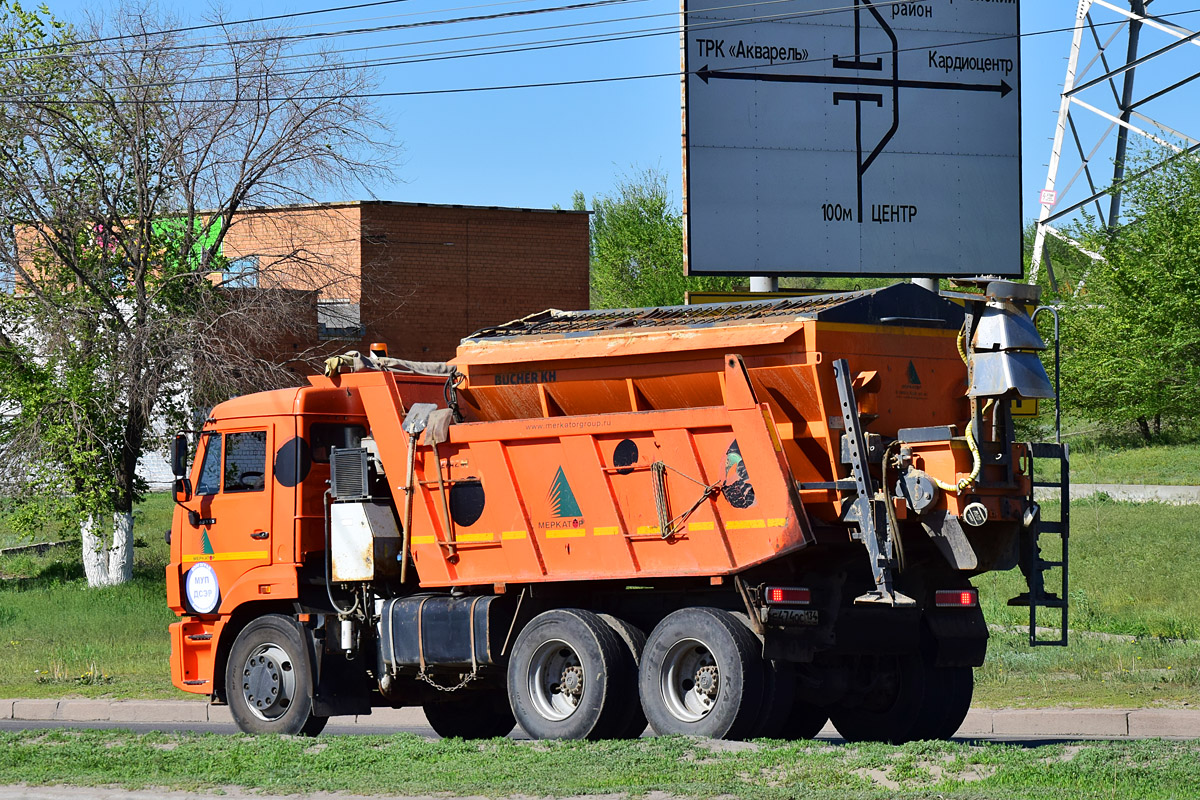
[(405, 204)]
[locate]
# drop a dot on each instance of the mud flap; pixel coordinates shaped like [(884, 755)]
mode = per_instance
[(948, 536)]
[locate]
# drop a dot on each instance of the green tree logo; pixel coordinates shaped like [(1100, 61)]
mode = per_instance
[(205, 545), (562, 499), (913, 377)]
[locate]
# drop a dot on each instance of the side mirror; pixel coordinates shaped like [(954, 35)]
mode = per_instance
[(179, 453), (182, 489)]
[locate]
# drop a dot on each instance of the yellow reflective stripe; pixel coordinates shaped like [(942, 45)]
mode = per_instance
[(609, 531), (776, 522), (702, 526), (744, 524), (467, 538), (649, 530), (508, 535), (424, 539), (566, 534), (249, 555)]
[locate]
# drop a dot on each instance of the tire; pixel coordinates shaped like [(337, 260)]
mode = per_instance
[(895, 717), (804, 721), (567, 677), (779, 695), (634, 723), (269, 679), (957, 685), (702, 674), (475, 715)]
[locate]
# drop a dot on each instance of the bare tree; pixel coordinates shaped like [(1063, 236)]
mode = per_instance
[(128, 160)]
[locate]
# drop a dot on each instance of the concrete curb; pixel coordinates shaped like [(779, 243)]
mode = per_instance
[(1149, 493), (1099, 723)]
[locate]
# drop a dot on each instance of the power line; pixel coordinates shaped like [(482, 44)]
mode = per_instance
[(209, 25), (609, 20), (522, 47), (587, 81), (65, 49)]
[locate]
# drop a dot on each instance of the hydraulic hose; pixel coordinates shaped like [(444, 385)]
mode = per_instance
[(889, 501), (976, 461)]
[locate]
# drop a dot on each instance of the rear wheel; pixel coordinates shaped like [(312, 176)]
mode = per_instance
[(269, 679), (475, 715), (634, 719), (779, 695), (910, 699), (568, 677), (892, 705), (702, 674), (955, 686), (804, 721)]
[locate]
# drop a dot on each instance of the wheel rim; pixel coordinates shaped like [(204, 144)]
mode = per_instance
[(690, 681), (268, 682), (556, 680)]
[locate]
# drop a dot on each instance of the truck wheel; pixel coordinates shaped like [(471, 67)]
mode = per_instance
[(702, 675), (804, 722), (269, 679), (779, 695), (475, 715), (567, 677), (785, 715), (953, 702), (896, 712), (635, 641)]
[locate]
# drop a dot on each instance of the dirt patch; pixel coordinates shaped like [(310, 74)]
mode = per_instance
[(936, 771), (878, 777), (722, 746)]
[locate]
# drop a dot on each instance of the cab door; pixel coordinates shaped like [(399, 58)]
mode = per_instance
[(234, 492)]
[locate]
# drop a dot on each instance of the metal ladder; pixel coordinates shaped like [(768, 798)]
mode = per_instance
[(1037, 566)]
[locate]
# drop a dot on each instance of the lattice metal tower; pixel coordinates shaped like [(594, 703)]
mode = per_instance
[(1100, 109)]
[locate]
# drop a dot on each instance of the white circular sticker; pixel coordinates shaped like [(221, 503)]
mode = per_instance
[(203, 592)]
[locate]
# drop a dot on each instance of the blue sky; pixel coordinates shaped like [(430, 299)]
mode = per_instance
[(534, 147)]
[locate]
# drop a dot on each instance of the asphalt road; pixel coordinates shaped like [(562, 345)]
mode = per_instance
[(1051, 724)]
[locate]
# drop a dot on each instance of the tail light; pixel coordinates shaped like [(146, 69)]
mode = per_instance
[(788, 596), (956, 598)]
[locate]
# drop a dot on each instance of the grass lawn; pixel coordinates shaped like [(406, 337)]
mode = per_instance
[(59, 638), (1133, 585), (409, 765), (1173, 465)]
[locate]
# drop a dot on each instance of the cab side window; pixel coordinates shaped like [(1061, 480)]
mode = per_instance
[(210, 468), (324, 436), (245, 461)]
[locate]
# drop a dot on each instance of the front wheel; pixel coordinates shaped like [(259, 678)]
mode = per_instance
[(702, 674), (269, 679)]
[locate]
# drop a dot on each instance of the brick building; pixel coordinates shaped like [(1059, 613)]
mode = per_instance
[(419, 277)]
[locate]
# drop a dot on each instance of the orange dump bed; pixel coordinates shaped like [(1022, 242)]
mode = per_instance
[(608, 445)]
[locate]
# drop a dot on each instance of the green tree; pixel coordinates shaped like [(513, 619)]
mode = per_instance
[(637, 246), (1132, 330), (124, 161)]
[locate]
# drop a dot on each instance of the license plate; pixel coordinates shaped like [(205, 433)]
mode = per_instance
[(792, 616)]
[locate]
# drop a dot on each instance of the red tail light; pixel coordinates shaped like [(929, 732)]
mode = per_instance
[(956, 598), (788, 596)]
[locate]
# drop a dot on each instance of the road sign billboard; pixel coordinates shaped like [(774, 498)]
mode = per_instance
[(857, 137)]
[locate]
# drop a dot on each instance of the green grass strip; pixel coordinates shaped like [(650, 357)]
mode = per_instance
[(407, 764)]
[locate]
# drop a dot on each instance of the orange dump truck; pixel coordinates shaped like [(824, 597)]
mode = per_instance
[(733, 521)]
